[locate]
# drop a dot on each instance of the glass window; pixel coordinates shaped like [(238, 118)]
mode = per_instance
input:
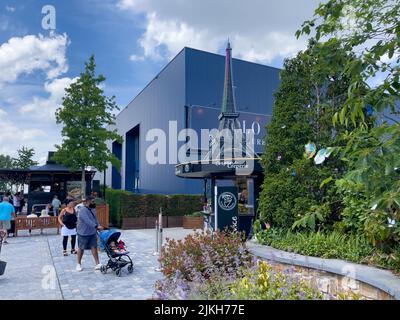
[(246, 195)]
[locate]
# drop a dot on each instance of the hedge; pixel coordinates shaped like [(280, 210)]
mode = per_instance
[(124, 204)]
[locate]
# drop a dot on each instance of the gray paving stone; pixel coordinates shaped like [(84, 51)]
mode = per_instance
[(36, 269)]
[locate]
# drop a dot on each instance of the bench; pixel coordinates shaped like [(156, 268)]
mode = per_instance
[(24, 223)]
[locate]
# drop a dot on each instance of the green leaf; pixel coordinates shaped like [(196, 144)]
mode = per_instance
[(326, 181), (342, 115)]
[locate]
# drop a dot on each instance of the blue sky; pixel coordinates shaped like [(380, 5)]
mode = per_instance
[(132, 40)]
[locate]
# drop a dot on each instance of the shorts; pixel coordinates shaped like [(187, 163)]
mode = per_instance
[(87, 242), (5, 224)]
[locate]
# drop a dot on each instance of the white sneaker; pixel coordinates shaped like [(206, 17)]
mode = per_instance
[(78, 267), (97, 267)]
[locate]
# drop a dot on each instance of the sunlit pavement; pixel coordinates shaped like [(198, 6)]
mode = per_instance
[(37, 269)]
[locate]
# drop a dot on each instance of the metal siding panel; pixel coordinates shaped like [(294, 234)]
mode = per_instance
[(255, 83), (193, 77)]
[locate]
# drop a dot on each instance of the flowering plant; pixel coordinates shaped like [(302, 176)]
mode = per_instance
[(204, 254)]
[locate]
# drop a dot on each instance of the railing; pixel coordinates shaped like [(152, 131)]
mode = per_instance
[(24, 223)]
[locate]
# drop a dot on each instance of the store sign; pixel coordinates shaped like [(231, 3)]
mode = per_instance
[(207, 118), (226, 208), (74, 189)]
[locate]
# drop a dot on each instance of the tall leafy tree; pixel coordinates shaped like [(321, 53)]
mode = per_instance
[(313, 88), (6, 162), (371, 30), (24, 159), (86, 114)]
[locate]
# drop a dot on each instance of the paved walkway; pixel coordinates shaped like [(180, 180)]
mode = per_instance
[(36, 269)]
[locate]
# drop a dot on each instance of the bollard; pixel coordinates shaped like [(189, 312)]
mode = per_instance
[(160, 228), (160, 238), (157, 236)]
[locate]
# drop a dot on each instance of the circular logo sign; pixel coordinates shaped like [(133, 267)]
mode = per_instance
[(227, 201)]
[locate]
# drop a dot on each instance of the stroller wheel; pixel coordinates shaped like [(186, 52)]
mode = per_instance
[(103, 269), (130, 268), (118, 273)]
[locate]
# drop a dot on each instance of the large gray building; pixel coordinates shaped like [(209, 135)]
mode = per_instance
[(189, 91)]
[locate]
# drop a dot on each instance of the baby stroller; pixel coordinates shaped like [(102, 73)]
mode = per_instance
[(118, 257)]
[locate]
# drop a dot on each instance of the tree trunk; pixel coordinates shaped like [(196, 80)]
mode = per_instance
[(83, 183)]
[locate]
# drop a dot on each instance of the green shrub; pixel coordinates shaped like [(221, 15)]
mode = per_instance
[(181, 205), (195, 214), (319, 244), (205, 254), (114, 198), (124, 204), (266, 284), (332, 245)]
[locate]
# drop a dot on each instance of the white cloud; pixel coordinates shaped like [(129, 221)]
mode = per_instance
[(10, 9), (13, 137), (45, 108), (135, 57), (2, 114), (14, 134), (260, 30), (24, 55)]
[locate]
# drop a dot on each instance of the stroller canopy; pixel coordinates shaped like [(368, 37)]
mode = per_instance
[(107, 236)]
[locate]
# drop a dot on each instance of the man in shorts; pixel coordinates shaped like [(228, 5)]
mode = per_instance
[(87, 231), (7, 211)]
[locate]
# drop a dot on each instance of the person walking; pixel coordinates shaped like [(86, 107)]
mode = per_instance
[(56, 203), (7, 211), (87, 232), (17, 202), (68, 221)]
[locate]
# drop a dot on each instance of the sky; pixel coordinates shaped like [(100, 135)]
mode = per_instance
[(132, 40)]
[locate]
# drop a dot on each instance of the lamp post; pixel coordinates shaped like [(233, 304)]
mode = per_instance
[(104, 185)]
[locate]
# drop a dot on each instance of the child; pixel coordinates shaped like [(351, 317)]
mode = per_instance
[(117, 247)]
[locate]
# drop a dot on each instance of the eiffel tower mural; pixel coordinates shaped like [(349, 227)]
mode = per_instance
[(228, 119), (230, 143)]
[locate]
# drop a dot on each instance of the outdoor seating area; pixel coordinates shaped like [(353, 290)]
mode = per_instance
[(40, 223)]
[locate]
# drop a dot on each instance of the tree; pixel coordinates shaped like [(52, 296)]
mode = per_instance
[(6, 162), (313, 88), (24, 159), (370, 28), (85, 115)]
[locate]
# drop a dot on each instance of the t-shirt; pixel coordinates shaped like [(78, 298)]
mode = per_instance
[(56, 203), (17, 201), (78, 208), (6, 210)]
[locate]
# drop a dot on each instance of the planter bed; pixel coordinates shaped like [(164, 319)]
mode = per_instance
[(193, 222)]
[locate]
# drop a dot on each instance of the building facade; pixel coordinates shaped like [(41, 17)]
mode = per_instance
[(189, 93)]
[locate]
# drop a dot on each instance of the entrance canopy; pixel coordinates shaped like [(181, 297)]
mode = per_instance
[(14, 175), (211, 169)]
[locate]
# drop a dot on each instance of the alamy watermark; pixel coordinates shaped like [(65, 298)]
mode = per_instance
[(231, 148), (49, 280), (49, 21)]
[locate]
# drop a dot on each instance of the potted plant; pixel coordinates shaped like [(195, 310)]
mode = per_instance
[(193, 221)]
